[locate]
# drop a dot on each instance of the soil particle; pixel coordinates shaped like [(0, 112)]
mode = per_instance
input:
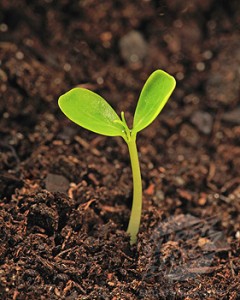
[(56, 183), (203, 121), (133, 47)]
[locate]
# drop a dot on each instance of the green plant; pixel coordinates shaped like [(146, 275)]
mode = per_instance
[(92, 112)]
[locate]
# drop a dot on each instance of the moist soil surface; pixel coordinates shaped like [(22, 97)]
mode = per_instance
[(66, 193)]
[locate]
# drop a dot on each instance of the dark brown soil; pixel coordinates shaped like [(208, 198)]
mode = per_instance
[(66, 193)]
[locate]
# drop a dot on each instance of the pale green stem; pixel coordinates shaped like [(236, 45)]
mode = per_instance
[(135, 217)]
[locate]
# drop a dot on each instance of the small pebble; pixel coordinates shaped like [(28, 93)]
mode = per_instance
[(3, 27), (19, 55), (160, 195), (100, 80), (133, 47), (207, 54), (56, 183), (67, 67), (203, 121), (200, 66), (180, 76)]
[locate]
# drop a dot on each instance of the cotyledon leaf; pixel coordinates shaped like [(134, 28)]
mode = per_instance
[(90, 111), (153, 97)]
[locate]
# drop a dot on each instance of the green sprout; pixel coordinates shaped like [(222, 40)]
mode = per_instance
[(92, 112)]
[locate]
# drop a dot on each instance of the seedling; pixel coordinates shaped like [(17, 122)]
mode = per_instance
[(92, 112)]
